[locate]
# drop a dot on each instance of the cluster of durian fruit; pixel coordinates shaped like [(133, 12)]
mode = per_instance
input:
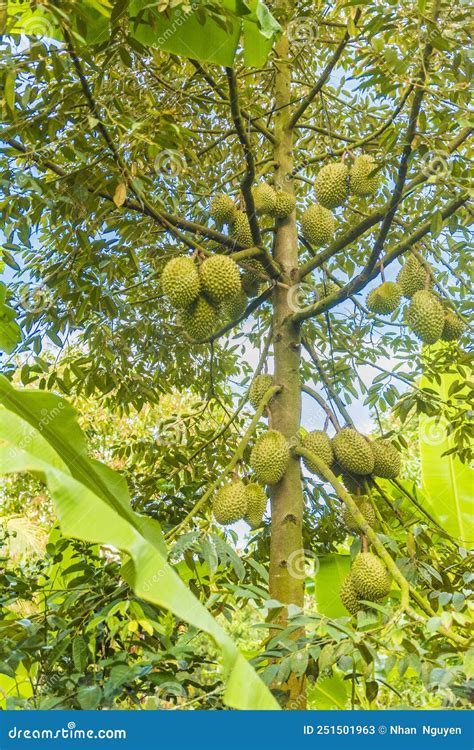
[(368, 580), (334, 182), (428, 315), (355, 459), (206, 293), (268, 460), (350, 455)]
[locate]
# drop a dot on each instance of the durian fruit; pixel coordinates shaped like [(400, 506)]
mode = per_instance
[(426, 317), (348, 596), (242, 233), (412, 277), (223, 209), (230, 503), (259, 387), (235, 306), (319, 443), (220, 278), (285, 204), (325, 289), (269, 457), (332, 185), (180, 281), (387, 459), (353, 452), (200, 320), (370, 577), (264, 198), (453, 327), (256, 504), (365, 507), (362, 182), (251, 279), (385, 299), (318, 225)]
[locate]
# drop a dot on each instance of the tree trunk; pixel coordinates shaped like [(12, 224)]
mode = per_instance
[(286, 584)]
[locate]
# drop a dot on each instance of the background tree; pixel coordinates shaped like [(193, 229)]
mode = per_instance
[(113, 153)]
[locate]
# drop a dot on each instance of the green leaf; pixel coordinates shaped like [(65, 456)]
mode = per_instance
[(446, 482), (330, 693), (329, 577), (39, 434), (89, 697), (79, 653)]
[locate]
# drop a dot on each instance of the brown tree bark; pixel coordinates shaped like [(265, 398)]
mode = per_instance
[(286, 584)]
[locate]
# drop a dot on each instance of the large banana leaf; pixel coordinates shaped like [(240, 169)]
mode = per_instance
[(446, 482), (332, 569), (207, 32), (39, 434)]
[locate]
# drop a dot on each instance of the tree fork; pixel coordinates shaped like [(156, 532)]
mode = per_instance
[(287, 495)]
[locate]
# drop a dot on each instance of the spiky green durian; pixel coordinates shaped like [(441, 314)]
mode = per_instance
[(220, 278), (264, 198), (230, 503), (363, 180), (325, 289), (252, 279), (318, 225), (387, 460), (200, 320), (412, 277), (364, 505), (242, 233), (453, 327), (269, 457), (180, 282), (285, 204), (259, 387), (352, 452), (370, 577), (223, 209), (332, 185), (425, 316), (348, 596), (235, 306), (385, 299), (319, 443), (256, 504)]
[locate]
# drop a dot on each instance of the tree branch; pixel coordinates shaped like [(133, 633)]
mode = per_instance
[(328, 385), (369, 221), (323, 77), (368, 273), (261, 128), (246, 184), (323, 404)]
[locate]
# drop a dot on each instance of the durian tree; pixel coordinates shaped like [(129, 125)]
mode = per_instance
[(175, 220)]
